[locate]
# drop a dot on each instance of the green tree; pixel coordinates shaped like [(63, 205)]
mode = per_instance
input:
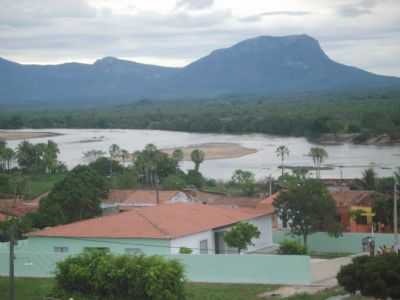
[(307, 207), (115, 154), (282, 152), (76, 197), (369, 179), (50, 157), (153, 165), (240, 236), (105, 276), (246, 181), (318, 156), (178, 155), (373, 276), (197, 157)]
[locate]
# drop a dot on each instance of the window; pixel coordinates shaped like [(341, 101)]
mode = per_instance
[(133, 251), (58, 249), (101, 249), (204, 247)]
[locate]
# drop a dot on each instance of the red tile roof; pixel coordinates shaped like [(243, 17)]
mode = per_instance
[(267, 203), (3, 217), (17, 208), (167, 221), (138, 197), (349, 198)]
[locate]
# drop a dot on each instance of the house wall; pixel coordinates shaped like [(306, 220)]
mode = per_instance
[(267, 269), (264, 225), (77, 245), (193, 242)]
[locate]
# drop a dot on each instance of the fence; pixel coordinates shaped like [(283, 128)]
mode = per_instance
[(268, 269), (347, 243)]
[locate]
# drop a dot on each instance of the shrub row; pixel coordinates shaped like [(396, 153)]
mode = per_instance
[(101, 275)]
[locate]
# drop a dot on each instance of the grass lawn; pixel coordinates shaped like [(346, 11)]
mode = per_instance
[(39, 184), (39, 288), (329, 255)]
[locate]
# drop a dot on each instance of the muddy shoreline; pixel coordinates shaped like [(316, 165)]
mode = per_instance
[(7, 135)]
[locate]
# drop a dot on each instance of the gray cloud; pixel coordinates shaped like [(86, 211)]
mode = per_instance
[(194, 4), (31, 12), (364, 7), (287, 13), (72, 30)]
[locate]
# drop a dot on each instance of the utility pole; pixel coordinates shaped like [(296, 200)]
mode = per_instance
[(395, 217), (12, 258)]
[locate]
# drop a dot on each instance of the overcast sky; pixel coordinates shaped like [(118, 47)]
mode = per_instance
[(363, 33)]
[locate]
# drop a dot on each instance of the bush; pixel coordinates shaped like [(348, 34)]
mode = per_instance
[(174, 182), (105, 276), (289, 247), (184, 250), (376, 276)]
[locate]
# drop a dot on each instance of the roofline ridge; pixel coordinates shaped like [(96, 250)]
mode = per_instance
[(152, 223)]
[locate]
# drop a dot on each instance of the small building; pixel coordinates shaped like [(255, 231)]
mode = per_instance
[(120, 200), (355, 209), (162, 229)]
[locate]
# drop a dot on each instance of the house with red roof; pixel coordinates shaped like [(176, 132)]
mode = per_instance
[(161, 229)]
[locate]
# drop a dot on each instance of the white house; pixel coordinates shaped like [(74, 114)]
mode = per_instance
[(161, 229)]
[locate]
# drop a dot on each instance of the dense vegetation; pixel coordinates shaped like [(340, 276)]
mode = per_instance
[(100, 275), (373, 276), (365, 113)]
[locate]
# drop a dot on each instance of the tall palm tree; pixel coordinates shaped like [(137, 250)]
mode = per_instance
[(115, 152), (369, 179), (318, 155), (282, 152), (197, 157)]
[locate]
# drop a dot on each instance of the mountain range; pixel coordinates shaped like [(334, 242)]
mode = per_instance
[(259, 66)]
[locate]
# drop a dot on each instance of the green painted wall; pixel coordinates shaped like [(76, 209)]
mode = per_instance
[(348, 243), (35, 258), (271, 269), (77, 245)]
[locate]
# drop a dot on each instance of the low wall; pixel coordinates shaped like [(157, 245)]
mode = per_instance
[(269, 269), (347, 243)]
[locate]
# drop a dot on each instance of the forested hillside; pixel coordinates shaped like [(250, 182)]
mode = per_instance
[(365, 114)]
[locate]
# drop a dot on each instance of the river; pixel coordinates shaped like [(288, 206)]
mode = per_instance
[(353, 159)]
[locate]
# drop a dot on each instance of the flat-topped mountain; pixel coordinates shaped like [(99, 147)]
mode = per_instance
[(260, 66)]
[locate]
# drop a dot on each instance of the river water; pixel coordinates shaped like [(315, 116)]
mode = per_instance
[(348, 160)]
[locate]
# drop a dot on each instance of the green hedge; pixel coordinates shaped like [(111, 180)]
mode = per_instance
[(101, 275)]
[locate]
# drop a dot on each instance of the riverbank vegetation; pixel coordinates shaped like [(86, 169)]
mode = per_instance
[(363, 114)]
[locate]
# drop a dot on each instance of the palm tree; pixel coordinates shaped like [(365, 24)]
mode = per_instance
[(178, 155), (369, 179), (115, 152), (197, 157), (125, 156), (8, 155), (282, 152), (318, 155)]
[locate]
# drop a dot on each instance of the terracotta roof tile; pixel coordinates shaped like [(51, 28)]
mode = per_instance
[(131, 197), (349, 198), (156, 222)]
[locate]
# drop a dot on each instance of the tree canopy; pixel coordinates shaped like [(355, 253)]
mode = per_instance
[(75, 198), (240, 236), (307, 207)]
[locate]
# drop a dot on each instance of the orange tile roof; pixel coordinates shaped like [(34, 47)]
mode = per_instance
[(131, 197), (167, 221), (348, 198), (3, 217), (267, 203)]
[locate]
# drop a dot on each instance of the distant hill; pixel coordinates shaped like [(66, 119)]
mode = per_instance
[(260, 66)]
